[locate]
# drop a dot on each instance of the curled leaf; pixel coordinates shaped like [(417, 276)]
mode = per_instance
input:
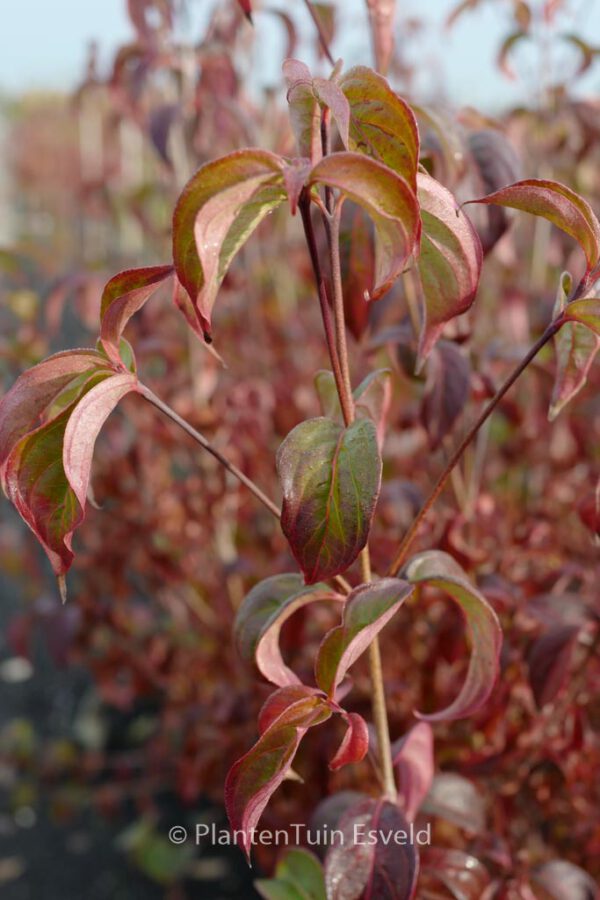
[(464, 876), (505, 50), (330, 478), (367, 610), (439, 570), (389, 201), (253, 779), (261, 616), (412, 756), (382, 124), (586, 312), (218, 209), (557, 203), (355, 743), (123, 296), (449, 261)]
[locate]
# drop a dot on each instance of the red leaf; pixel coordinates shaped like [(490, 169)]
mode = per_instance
[(368, 862), (462, 874), (382, 13), (412, 756), (449, 261), (122, 297), (446, 391), (261, 616), (256, 776), (367, 610), (440, 570), (557, 203), (246, 6), (355, 743), (548, 661)]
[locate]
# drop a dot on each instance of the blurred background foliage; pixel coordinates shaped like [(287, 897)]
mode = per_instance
[(121, 711)]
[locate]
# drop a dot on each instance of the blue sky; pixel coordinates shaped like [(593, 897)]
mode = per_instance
[(43, 45)]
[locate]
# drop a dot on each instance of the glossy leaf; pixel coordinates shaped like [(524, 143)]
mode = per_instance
[(293, 697), (455, 799), (586, 312), (449, 261), (439, 570), (122, 297), (463, 875), (389, 201), (261, 616), (557, 203), (253, 779), (412, 756), (368, 863), (330, 478), (367, 610), (216, 212), (447, 391), (355, 742), (298, 876), (382, 125), (46, 472), (372, 398), (565, 881)]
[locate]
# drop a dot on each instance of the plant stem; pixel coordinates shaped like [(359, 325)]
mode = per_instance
[(378, 703), (151, 397), (304, 207), (320, 31), (454, 459)]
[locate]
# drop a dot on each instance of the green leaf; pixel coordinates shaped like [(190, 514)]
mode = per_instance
[(382, 125), (557, 203), (330, 478), (449, 261), (367, 610), (298, 876), (261, 616), (217, 211), (372, 398), (576, 347), (441, 571), (389, 201), (586, 312)]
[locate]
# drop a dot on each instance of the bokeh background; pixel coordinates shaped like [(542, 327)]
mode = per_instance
[(121, 711)]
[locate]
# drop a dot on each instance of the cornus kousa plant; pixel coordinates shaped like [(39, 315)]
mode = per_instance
[(358, 152)]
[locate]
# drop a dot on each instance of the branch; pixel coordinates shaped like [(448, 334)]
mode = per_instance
[(456, 456)]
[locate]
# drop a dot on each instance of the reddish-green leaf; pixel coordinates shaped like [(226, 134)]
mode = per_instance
[(305, 112), (330, 478), (46, 468), (557, 203), (586, 312), (389, 201), (375, 859), (449, 261), (576, 348), (372, 398), (256, 776), (355, 743), (382, 125), (412, 756), (367, 610), (440, 570), (298, 876), (261, 616), (216, 212), (122, 297)]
